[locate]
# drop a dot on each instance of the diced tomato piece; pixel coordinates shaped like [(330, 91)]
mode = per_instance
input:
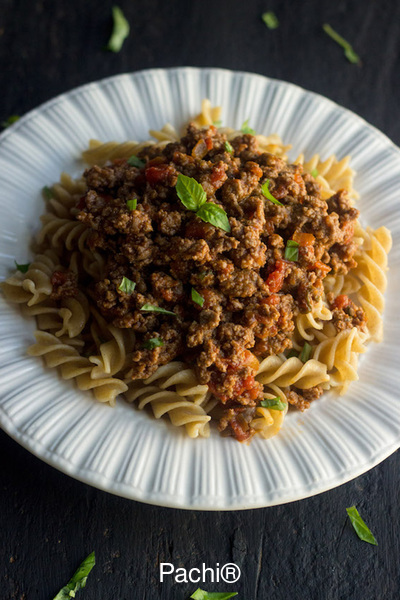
[(158, 174), (341, 301), (303, 239), (320, 265), (218, 176), (276, 278)]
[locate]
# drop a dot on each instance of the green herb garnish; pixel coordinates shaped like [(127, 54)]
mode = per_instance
[(306, 352), (157, 309), (120, 30), (131, 204), (127, 286), (193, 197), (47, 192), (135, 161), (292, 353), (246, 129), (267, 193), (203, 595), (78, 579), (314, 173), (22, 268), (273, 403), (217, 123), (228, 147), (196, 297), (153, 343), (270, 19), (348, 50), (10, 121), (361, 529), (292, 250)]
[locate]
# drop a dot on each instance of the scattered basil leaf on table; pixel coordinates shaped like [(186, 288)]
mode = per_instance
[(47, 192), (190, 192), (228, 147), (273, 403), (246, 129), (197, 298), (157, 309), (214, 214), (348, 50), (10, 121), (292, 250), (361, 529), (270, 19), (306, 352), (131, 204), (267, 193), (127, 285), (153, 343), (22, 268), (200, 594), (78, 579), (135, 161), (120, 30)]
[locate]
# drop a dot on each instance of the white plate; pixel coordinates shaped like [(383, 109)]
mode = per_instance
[(125, 451)]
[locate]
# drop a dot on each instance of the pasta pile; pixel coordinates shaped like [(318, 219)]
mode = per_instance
[(64, 328)]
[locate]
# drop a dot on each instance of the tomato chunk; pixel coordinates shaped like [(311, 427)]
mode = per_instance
[(341, 302), (276, 278)]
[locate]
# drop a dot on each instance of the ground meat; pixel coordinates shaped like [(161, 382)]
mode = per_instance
[(346, 314), (301, 399), (65, 285), (229, 295)]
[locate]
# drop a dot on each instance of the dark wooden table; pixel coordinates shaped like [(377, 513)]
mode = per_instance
[(49, 522)]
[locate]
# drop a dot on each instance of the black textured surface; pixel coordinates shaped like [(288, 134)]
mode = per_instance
[(49, 522)]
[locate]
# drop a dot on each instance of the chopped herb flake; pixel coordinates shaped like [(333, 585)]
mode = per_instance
[(274, 403), (120, 30), (153, 343), (10, 121), (131, 204), (305, 353), (135, 161), (314, 173), (246, 129), (361, 529), (127, 286), (348, 50), (157, 309), (22, 268), (47, 193), (292, 250), (197, 298), (200, 594), (228, 147), (190, 192), (267, 193), (78, 579), (217, 123), (270, 19)]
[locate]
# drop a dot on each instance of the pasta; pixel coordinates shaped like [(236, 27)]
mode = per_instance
[(340, 311)]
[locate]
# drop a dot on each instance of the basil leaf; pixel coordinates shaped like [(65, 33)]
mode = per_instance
[(196, 297), (292, 250), (127, 286), (314, 173), (78, 579), (157, 309), (190, 192), (153, 343), (348, 50), (47, 193), (305, 353), (246, 129), (120, 30), (270, 19), (131, 204), (22, 268), (214, 214), (267, 193), (217, 123), (273, 403), (135, 161), (228, 147), (203, 595), (10, 121), (361, 529)]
